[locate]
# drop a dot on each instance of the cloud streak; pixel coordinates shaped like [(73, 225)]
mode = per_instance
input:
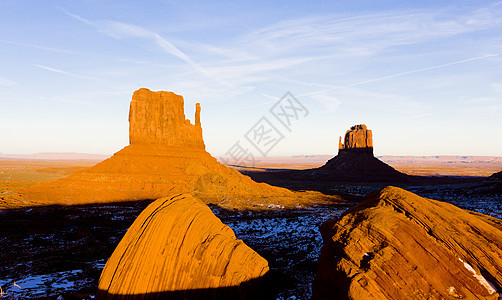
[(51, 49), (7, 82), (401, 74), (58, 71), (119, 30)]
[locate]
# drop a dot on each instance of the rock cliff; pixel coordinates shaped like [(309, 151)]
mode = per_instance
[(166, 155), (177, 248), (397, 245), (357, 139), (158, 118), (355, 160)]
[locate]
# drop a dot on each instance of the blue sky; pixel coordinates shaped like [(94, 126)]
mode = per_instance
[(425, 76)]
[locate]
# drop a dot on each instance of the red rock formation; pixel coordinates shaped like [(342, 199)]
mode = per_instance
[(177, 248), (355, 161), (397, 245), (166, 155), (357, 138), (158, 118)]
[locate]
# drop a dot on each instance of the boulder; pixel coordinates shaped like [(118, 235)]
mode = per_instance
[(177, 248), (397, 245)]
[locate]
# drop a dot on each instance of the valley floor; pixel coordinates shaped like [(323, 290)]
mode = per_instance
[(51, 251)]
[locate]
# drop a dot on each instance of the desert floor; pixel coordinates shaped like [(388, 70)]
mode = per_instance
[(51, 251)]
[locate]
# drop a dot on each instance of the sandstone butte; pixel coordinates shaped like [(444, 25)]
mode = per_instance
[(355, 160), (397, 245), (178, 249), (166, 155)]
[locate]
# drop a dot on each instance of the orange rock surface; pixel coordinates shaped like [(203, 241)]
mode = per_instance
[(397, 245), (177, 248), (166, 155), (358, 137)]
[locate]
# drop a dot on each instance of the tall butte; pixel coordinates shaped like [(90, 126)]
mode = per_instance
[(355, 160), (166, 155)]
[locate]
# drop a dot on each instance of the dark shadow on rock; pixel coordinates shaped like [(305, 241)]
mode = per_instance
[(260, 288)]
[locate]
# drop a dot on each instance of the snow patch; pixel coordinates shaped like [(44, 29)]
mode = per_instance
[(488, 285)]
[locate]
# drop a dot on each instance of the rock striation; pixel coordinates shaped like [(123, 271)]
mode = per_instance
[(177, 248), (357, 139), (158, 118), (397, 245), (166, 155)]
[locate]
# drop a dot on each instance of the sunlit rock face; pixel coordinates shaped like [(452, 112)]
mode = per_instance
[(357, 139), (397, 245), (355, 160), (159, 118), (177, 248), (166, 155)]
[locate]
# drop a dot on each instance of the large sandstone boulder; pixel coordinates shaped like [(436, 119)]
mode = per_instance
[(177, 248), (397, 245), (166, 155)]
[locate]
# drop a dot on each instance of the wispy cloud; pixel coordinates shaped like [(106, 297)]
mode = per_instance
[(240, 63), (419, 116), (45, 48), (119, 30), (401, 74), (367, 34), (6, 82), (66, 73)]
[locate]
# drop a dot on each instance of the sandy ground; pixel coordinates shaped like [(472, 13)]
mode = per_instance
[(18, 174)]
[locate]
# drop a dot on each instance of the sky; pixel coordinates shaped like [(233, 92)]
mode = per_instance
[(424, 76)]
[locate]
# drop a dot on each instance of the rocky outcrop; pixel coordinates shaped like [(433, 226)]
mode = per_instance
[(397, 245), (166, 155), (177, 248), (496, 176), (355, 161), (158, 118), (357, 139)]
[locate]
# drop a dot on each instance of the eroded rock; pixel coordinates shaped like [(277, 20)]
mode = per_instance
[(166, 155), (355, 161), (177, 248), (358, 138), (397, 245)]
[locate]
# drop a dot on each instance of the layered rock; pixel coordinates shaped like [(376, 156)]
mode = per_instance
[(158, 118), (166, 155), (357, 139), (397, 245), (177, 248)]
